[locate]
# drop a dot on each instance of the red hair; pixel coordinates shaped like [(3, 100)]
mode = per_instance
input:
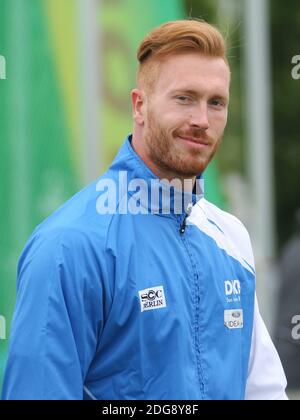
[(177, 37)]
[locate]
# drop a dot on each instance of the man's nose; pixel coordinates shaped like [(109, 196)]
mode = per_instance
[(199, 117)]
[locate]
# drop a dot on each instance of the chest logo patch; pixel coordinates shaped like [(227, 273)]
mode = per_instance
[(152, 298)]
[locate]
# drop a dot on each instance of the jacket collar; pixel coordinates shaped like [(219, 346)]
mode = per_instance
[(147, 193)]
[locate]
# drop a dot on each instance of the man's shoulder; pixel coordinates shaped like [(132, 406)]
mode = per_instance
[(223, 217), (230, 231), (53, 244), (78, 216), (75, 226)]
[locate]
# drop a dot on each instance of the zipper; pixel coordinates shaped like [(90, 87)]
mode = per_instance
[(187, 213), (196, 303)]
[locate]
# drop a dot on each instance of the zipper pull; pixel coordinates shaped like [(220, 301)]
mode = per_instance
[(187, 213), (183, 225)]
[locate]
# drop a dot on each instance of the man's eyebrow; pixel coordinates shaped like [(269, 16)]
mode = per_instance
[(185, 90)]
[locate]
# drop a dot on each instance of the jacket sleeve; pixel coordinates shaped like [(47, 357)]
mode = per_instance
[(58, 318), (266, 378)]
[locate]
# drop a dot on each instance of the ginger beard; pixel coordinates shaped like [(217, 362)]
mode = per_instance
[(170, 154)]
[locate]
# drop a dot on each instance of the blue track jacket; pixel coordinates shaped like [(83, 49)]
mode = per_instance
[(143, 304)]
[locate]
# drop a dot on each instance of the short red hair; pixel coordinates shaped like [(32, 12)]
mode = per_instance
[(176, 37)]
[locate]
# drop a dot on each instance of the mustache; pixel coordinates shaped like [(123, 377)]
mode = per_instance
[(196, 133)]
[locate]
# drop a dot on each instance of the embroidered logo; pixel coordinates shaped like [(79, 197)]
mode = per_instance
[(152, 298)]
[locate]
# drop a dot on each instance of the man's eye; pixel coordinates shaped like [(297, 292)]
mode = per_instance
[(217, 102), (183, 98)]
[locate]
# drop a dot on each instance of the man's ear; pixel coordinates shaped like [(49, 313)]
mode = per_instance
[(138, 105)]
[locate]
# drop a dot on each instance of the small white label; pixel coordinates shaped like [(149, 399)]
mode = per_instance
[(152, 298), (234, 319)]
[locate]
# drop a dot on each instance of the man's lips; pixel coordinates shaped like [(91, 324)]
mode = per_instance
[(193, 140)]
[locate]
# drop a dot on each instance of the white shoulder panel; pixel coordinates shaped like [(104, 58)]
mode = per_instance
[(226, 230)]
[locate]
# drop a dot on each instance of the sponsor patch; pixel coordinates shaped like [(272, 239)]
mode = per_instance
[(152, 298), (234, 319)]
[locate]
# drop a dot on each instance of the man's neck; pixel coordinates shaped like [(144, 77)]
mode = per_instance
[(188, 183)]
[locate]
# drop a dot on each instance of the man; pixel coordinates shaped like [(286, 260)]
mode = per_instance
[(129, 292)]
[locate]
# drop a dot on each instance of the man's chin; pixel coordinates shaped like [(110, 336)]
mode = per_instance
[(186, 171), (193, 168)]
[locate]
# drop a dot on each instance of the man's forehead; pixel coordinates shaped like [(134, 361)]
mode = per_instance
[(194, 68), (194, 59)]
